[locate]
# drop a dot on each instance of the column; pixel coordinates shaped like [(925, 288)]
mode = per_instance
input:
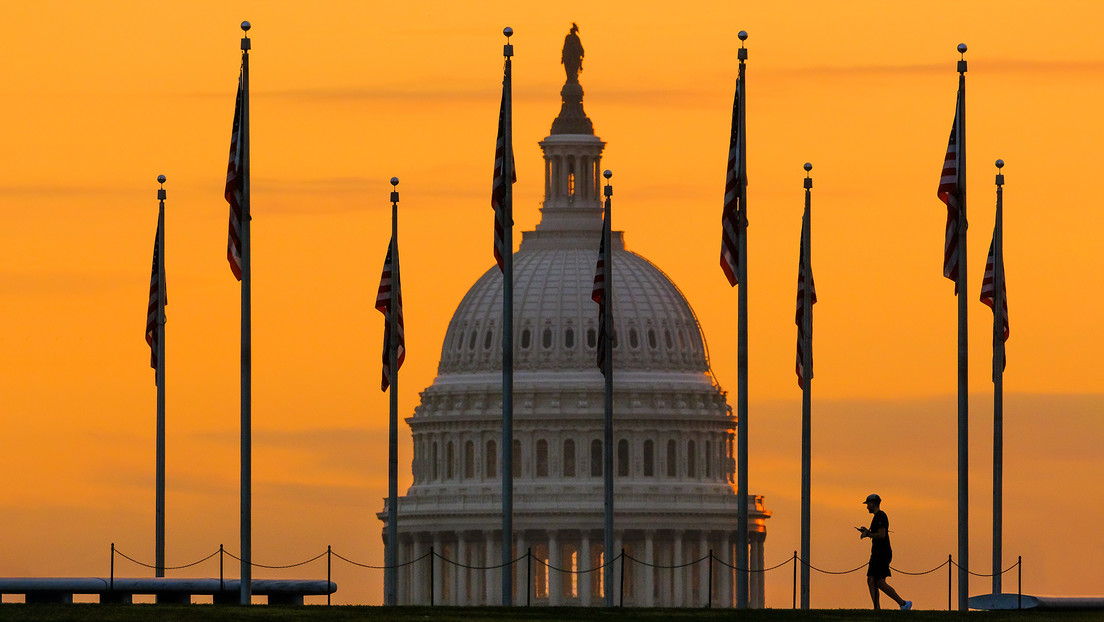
[(757, 593), (649, 571), (555, 577), (679, 590), (460, 579), (438, 571), (491, 579), (585, 563), (617, 565), (728, 584), (521, 570), (702, 568), (417, 573)]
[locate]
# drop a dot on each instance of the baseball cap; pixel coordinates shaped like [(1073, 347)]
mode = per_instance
[(872, 498)]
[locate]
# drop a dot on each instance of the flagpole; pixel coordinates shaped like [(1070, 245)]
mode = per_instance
[(998, 382), (963, 356), (742, 573), (246, 342), (607, 372), (807, 383), (159, 528), (507, 332), (391, 563)]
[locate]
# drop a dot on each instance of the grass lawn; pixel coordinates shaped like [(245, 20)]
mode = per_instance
[(320, 613)]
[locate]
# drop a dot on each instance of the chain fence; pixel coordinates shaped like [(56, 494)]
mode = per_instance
[(429, 559)]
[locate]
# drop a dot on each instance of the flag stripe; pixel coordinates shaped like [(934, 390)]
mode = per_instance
[(989, 292), (388, 279), (734, 180), (498, 185), (233, 191)]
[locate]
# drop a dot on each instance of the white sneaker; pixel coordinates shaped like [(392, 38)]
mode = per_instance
[(906, 606)]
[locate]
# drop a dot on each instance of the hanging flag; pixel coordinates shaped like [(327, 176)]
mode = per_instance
[(734, 182), (799, 318), (233, 192), (599, 294), (156, 300), (498, 186), (950, 193), (989, 291), (389, 279)]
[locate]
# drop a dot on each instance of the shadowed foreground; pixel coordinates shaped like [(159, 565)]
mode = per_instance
[(320, 613)]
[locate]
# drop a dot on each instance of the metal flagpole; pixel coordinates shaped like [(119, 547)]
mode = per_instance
[(391, 563), (807, 381), (159, 529), (507, 332), (607, 372), (963, 356), (246, 342), (998, 382), (742, 574)]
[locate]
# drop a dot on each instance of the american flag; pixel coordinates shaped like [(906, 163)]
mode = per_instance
[(156, 301), (799, 317), (950, 193), (599, 294), (498, 186), (989, 291), (383, 305), (734, 182), (233, 192)]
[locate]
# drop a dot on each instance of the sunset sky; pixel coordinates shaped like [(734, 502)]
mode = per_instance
[(100, 98)]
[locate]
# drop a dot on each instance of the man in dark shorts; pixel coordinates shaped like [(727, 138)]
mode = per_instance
[(880, 554)]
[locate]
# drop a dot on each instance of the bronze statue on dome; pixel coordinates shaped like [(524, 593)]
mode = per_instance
[(572, 54)]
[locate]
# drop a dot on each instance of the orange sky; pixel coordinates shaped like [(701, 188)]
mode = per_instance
[(100, 99)]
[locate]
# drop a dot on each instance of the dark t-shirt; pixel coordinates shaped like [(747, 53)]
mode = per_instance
[(880, 546)]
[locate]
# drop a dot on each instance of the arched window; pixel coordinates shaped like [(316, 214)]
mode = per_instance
[(546, 338), (569, 458), (596, 458), (634, 339), (571, 184), (622, 458), (449, 460), (436, 466), (667, 338), (525, 339), (592, 338), (672, 458), (569, 338), (517, 458), (469, 460), (471, 342), (542, 458), (652, 339), (691, 467), (487, 340), (708, 459), (649, 458), (490, 466)]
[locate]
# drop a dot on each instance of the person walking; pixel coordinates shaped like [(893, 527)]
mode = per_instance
[(881, 553)]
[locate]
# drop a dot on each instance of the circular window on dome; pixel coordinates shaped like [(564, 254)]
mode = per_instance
[(546, 338), (652, 339), (526, 338), (569, 338), (634, 339)]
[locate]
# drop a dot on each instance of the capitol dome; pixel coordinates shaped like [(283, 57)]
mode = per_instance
[(674, 454)]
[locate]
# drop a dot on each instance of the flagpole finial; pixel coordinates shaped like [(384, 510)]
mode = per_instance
[(609, 188), (808, 180), (962, 48), (161, 190), (1000, 175), (962, 61), (161, 178), (395, 191), (1000, 163), (741, 54), (245, 26), (508, 49)]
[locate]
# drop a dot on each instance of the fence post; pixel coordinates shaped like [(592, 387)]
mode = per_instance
[(222, 552), (528, 573), (950, 573), (621, 582), (1019, 582), (709, 603), (431, 581), (329, 569), (112, 585), (793, 603)]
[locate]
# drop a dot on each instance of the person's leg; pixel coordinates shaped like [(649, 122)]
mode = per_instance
[(889, 591), (872, 584)]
